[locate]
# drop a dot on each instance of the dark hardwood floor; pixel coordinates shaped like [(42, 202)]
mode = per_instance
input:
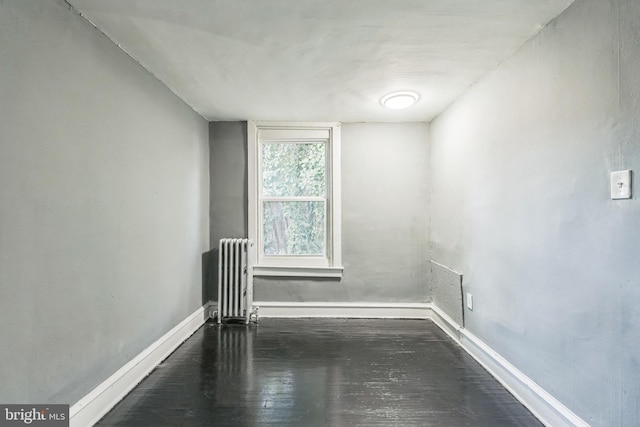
[(313, 372)]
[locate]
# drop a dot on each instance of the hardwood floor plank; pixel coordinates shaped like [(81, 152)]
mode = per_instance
[(320, 372)]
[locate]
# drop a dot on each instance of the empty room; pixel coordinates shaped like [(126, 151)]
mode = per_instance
[(319, 213)]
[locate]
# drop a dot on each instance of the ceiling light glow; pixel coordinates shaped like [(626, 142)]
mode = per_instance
[(400, 100)]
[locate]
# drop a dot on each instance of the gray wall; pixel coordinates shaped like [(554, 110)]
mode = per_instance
[(384, 206), (228, 210), (228, 154), (103, 205), (520, 204)]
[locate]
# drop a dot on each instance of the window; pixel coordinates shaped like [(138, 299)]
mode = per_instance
[(294, 198)]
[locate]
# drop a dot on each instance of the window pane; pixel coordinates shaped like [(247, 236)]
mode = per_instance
[(290, 170), (294, 228)]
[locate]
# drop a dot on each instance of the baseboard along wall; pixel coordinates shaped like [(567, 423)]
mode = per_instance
[(543, 405), (88, 410), (364, 310)]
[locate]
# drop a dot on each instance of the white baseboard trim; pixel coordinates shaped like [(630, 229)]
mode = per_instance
[(543, 405), (446, 323), (365, 310), (88, 410)]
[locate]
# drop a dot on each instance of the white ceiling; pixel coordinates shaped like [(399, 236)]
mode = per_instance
[(318, 60)]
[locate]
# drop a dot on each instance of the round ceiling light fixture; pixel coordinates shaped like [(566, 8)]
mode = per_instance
[(400, 100)]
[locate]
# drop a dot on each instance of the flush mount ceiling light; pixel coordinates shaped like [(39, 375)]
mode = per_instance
[(400, 100)]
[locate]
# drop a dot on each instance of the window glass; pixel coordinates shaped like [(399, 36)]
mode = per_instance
[(294, 228), (293, 169)]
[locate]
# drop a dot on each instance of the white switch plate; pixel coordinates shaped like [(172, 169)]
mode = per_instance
[(469, 301), (621, 185)]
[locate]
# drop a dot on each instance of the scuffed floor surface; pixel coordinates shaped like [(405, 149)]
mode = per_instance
[(311, 372)]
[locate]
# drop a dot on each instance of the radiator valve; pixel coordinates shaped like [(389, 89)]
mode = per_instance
[(254, 314)]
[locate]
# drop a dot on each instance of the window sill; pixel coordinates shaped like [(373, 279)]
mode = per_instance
[(322, 272)]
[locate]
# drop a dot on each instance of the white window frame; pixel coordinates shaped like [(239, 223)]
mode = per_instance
[(296, 266)]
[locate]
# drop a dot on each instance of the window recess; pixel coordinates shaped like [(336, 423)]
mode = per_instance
[(294, 198)]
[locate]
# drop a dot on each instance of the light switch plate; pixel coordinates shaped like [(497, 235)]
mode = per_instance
[(621, 185), (469, 301)]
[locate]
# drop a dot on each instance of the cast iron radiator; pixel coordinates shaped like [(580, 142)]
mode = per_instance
[(235, 280)]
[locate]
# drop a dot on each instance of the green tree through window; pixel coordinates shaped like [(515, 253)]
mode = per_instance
[(294, 190)]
